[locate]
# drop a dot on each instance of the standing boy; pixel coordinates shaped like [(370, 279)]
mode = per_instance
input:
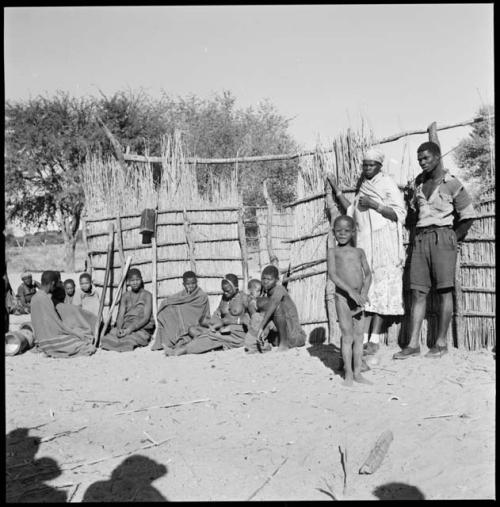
[(282, 310), (349, 271), (438, 198), (88, 296)]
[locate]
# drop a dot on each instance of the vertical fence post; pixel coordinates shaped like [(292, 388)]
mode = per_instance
[(119, 238), (458, 314), (243, 247), (86, 245), (154, 275), (273, 259), (189, 240)]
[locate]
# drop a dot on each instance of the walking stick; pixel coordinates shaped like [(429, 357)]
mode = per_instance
[(154, 278), (116, 298), (109, 258)]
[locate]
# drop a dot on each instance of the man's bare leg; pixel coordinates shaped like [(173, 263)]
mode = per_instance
[(418, 307), (444, 319)]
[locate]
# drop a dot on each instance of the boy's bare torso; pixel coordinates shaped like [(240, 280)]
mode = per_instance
[(348, 266)]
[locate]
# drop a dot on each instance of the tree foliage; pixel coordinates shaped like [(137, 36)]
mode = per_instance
[(475, 155), (48, 139)]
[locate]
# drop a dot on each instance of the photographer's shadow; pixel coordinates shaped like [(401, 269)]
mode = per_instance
[(25, 475), (329, 354), (129, 482)]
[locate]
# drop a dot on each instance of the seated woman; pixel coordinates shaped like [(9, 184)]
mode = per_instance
[(135, 323), (227, 327), (180, 311)]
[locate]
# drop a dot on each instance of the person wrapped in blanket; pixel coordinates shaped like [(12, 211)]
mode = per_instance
[(135, 322), (226, 328)]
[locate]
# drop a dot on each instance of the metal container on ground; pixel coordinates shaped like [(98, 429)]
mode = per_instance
[(17, 342)]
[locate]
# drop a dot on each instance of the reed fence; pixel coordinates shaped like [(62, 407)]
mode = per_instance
[(207, 234)]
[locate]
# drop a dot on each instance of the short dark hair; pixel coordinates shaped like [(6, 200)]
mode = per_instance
[(132, 272), (189, 274), (271, 270), (69, 280), (430, 146), (232, 278), (48, 277), (87, 276), (253, 282), (346, 218)]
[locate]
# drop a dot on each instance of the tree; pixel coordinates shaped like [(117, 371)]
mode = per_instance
[(47, 140), (475, 154)]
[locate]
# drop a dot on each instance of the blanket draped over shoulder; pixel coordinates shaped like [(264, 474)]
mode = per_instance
[(235, 335), (134, 311), (382, 241), (177, 314), (55, 337)]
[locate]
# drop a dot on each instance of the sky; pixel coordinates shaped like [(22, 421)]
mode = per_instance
[(400, 67)]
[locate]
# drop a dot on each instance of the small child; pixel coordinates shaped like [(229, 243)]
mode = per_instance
[(87, 297), (349, 271), (256, 306), (69, 289), (24, 294), (279, 308)]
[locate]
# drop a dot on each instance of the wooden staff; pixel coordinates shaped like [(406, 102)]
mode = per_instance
[(330, 286), (154, 276), (109, 258), (116, 298), (243, 246)]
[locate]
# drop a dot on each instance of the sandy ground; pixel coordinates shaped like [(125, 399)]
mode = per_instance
[(269, 428)]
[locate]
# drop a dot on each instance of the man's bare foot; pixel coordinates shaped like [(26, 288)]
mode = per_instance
[(362, 380), (348, 379)]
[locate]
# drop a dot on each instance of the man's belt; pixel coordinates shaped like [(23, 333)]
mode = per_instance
[(430, 228)]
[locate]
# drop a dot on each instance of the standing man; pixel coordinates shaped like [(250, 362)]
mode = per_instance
[(438, 197)]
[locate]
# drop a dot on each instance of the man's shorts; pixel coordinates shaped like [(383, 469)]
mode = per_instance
[(433, 259)]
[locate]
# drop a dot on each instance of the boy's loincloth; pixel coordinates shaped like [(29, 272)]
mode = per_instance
[(342, 296)]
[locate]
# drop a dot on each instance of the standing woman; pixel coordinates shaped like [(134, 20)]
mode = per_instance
[(379, 212), (135, 323)]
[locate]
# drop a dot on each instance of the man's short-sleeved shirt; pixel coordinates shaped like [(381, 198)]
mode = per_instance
[(448, 197)]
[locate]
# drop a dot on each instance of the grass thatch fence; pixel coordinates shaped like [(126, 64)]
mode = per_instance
[(207, 234)]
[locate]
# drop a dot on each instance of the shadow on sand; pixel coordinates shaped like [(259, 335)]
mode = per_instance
[(25, 475), (398, 491), (129, 482), (329, 354)]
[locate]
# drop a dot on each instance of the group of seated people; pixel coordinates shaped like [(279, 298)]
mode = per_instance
[(65, 321)]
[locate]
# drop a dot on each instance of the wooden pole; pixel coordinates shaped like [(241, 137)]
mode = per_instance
[(333, 337), (86, 245), (189, 240), (243, 247), (273, 259), (115, 299), (291, 156), (458, 314), (154, 276), (119, 238), (109, 259)]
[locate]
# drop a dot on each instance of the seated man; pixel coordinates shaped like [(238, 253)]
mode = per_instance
[(51, 334), (24, 294), (135, 322), (282, 310), (180, 312)]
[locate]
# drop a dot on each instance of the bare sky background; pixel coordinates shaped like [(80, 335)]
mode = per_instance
[(399, 66)]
